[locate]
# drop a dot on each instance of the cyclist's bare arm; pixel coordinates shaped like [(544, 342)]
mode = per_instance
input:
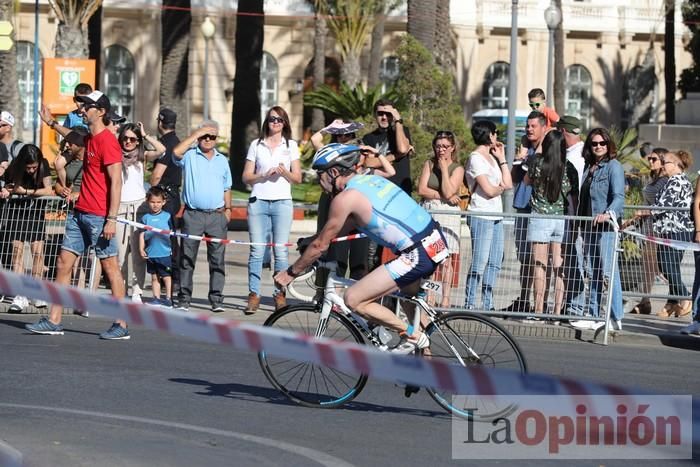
[(342, 210)]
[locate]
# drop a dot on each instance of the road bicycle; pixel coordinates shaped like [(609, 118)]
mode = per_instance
[(459, 337)]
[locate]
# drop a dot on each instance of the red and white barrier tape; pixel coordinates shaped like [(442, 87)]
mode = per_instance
[(677, 244), (224, 241), (344, 356)]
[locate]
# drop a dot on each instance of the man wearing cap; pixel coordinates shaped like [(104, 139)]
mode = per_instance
[(10, 146), (575, 299), (167, 174), (93, 220)]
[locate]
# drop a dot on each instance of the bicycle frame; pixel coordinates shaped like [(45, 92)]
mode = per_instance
[(332, 299)]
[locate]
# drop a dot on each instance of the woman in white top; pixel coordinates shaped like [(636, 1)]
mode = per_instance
[(487, 176), (132, 207), (272, 165)]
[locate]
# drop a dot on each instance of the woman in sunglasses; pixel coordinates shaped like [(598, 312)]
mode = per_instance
[(674, 225), (132, 138), (271, 167), (438, 185), (602, 197), (643, 223)]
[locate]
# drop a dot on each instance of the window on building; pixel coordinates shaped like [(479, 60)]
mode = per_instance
[(25, 75), (494, 94), (577, 93), (269, 76), (118, 79), (388, 71), (640, 94)]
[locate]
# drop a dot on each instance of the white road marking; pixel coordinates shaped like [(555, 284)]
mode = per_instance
[(312, 454)]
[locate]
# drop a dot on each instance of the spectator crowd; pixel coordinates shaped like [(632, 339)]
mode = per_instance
[(567, 192)]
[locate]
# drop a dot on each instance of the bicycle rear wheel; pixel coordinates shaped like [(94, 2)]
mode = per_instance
[(306, 383), (478, 341)]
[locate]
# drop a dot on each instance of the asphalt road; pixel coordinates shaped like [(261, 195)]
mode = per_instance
[(159, 400)]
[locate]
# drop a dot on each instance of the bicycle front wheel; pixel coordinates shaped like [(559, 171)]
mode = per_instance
[(478, 341), (306, 383)]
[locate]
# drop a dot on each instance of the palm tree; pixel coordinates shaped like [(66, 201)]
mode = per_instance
[(176, 21), (71, 34), (421, 22), (559, 92), (351, 21), (9, 94), (670, 62), (245, 119), (384, 8), (320, 33), (443, 50)]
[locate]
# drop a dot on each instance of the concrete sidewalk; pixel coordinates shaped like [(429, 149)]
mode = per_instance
[(637, 330)]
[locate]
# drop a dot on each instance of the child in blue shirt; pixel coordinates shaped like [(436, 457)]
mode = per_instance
[(155, 248)]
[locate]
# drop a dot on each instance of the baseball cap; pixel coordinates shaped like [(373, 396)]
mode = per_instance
[(167, 116), (96, 99), (115, 117), (76, 137), (6, 117), (343, 128), (570, 124)]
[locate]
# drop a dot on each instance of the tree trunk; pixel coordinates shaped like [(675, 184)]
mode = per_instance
[(421, 21), (350, 72), (71, 41), (375, 55), (9, 91), (95, 43), (245, 124), (176, 20), (670, 63), (320, 32), (559, 68), (444, 51)]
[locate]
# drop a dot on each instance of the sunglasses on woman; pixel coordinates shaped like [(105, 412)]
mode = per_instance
[(208, 137), (595, 144), (275, 120), (130, 139)]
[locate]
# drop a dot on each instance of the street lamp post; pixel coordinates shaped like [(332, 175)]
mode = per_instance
[(512, 98), (552, 16), (208, 30)]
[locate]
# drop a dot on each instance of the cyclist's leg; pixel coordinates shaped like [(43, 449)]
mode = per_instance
[(361, 297)]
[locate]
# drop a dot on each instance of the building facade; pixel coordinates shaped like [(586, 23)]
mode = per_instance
[(613, 55)]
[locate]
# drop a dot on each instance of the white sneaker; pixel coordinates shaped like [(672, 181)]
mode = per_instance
[(581, 324), (19, 303), (616, 324), (40, 304), (693, 328), (407, 346), (136, 298)]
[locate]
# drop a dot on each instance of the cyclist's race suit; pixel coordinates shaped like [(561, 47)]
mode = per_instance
[(401, 224)]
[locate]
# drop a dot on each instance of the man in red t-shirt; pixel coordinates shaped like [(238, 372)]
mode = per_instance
[(93, 221)]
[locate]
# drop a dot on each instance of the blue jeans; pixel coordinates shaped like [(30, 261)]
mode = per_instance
[(599, 248), (83, 231), (267, 217), (487, 256), (575, 295), (670, 264), (696, 286)]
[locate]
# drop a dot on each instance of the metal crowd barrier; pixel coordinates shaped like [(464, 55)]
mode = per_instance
[(631, 257), (31, 234)]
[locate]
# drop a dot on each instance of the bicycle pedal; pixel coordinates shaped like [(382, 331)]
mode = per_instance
[(409, 390)]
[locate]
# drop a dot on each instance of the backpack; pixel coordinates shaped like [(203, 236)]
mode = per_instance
[(12, 153), (465, 196)]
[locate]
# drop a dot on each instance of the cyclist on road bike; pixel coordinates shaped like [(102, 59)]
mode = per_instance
[(384, 212)]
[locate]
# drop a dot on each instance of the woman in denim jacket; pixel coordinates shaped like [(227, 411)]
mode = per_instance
[(602, 198)]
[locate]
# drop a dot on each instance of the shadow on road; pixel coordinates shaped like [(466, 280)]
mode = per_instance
[(236, 390), (20, 325)]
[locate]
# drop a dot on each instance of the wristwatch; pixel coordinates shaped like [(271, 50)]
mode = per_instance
[(400, 120)]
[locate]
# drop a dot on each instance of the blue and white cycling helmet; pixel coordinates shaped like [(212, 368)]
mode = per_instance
[(344, 156)]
